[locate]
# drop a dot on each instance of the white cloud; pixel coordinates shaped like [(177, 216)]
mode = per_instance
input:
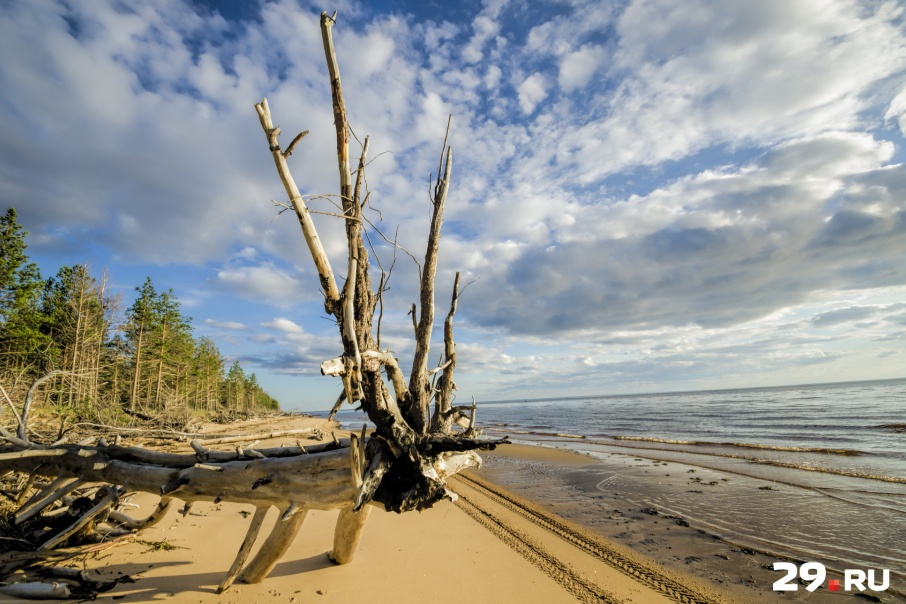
[(733, 74), (484, 29), (577, 68), (532, 91), (236, 325), (897, 110), (265, 282), (283, 324)]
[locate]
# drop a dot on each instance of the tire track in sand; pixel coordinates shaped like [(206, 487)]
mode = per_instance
[(483, 502)]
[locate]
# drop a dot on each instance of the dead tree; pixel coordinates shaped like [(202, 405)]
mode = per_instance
[(400, 467)]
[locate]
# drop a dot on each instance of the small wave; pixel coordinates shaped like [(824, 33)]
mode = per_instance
[(893, 427), (838, 472), (824, 450), (537, 433), (848, 498), (652, 439), (704, 443), (784, 464)]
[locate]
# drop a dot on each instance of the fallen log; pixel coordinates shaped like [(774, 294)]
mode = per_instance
[(331, 477), (319, 479)]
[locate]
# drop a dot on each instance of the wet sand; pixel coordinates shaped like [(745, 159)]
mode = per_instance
[(628, 500)]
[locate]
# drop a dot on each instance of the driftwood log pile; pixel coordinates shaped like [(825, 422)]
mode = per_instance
[(400, 466)]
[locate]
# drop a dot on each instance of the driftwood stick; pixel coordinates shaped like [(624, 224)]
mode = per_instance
[(23, 493), (90, 515), (276, 544), (261, 436), (361, 449), (339, 111), (295, 141), (336, 405), (37, 591), (163, 506), (355, 461), (47, 462), (378, 466), (348, 534), (11, 405), (29, 397), (201, 451), (57, 489), (18, 442), (245, 548), (155, 432)]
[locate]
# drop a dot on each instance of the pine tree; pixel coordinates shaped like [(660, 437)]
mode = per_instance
[(141, 318), (208, 366), (171, 337), (22, 344), (77, 322)]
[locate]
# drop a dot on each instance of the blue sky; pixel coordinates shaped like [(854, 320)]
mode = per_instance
[(647, 195)]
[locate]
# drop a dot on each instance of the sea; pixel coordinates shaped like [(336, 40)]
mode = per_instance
[(812, 472)]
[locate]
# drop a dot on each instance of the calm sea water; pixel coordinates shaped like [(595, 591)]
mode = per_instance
[(830, 460)]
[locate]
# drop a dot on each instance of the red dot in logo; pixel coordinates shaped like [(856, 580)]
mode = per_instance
[(833, 585)]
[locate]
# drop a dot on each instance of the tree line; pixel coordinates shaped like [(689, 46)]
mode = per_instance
[(107, 362)]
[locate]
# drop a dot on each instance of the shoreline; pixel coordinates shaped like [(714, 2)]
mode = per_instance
[(526, 528), (625, 498)]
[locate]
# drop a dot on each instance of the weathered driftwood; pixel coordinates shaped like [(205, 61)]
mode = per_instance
[(320, 479), (330, 476), (37, 591), (402, 465)]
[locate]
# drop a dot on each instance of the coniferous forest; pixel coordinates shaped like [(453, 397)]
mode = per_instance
[(91, 359)]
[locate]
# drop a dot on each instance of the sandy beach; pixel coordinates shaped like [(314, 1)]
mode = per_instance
[(505, 540)]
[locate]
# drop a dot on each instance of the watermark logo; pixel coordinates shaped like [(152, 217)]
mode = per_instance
[(814, 573)]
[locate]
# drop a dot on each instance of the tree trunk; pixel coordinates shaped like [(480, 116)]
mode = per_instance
[(138, 365)]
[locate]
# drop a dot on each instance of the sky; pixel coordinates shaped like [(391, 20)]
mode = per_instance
[(646, 195)]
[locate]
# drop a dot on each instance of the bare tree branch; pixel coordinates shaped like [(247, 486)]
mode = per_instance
[(325, 273), (419, 389)]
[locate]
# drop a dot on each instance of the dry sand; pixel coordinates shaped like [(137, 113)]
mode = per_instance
[(490, 546)]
